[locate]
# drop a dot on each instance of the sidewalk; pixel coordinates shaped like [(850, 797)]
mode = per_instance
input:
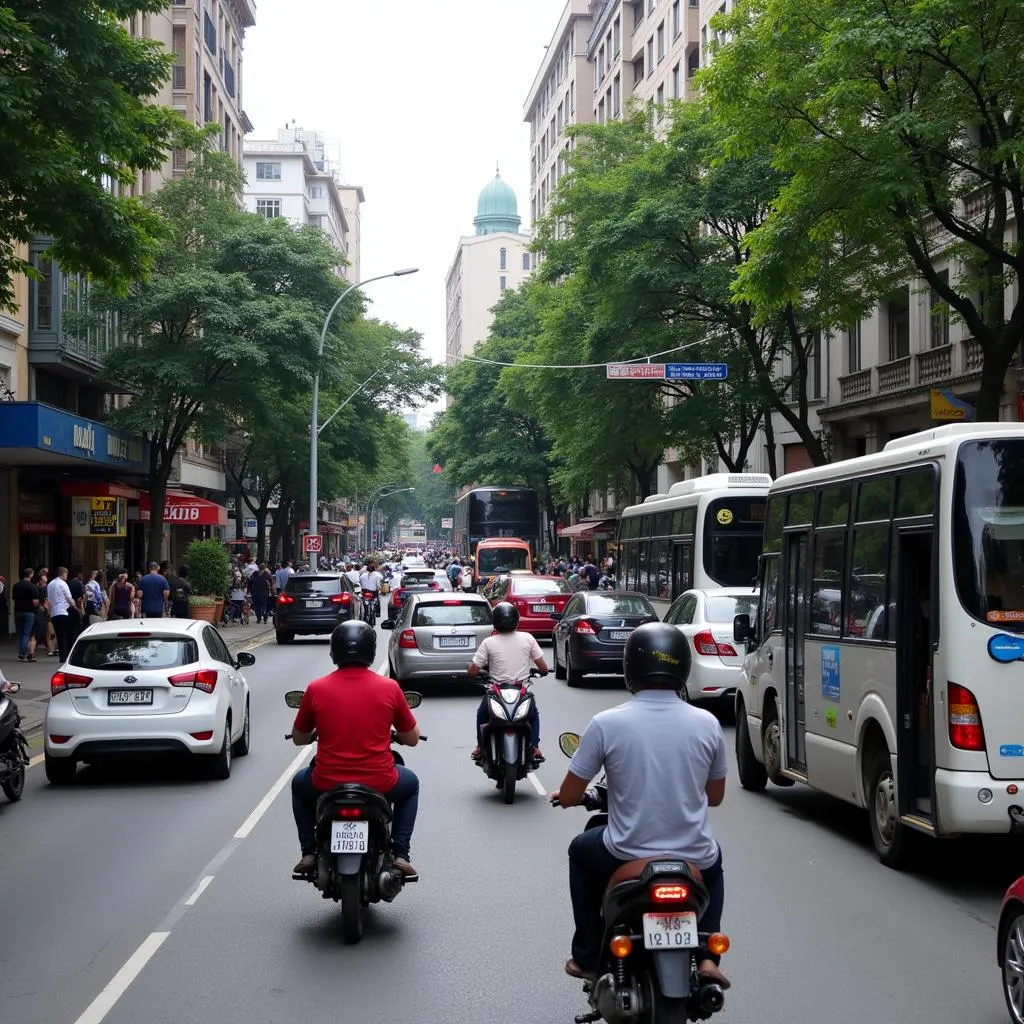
[(35, 677)]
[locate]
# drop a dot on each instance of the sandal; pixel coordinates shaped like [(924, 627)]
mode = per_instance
[(710, 972)]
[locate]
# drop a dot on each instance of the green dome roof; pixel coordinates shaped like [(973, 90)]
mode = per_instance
[(496, 209)]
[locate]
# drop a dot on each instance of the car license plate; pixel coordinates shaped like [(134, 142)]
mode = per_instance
[(453, 641), (671, 931), (543, 609), (314, 604), (350, 836), (618, 634), (116, 697)]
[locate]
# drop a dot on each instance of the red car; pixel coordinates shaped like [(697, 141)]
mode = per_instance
[(536, 598), (1010, 949)]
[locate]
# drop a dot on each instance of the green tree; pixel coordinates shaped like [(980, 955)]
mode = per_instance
[(76, 114), (897, 128)]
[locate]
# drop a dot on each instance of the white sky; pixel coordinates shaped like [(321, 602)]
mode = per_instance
[(423, 97)]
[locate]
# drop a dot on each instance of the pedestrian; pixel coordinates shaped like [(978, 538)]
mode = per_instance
[(154, 592), (261, 584), (76, 613), (58, 595), (283, 573), (121, 598), (43, 627), (5, 609), (180, 591), (26, 600), (95, 598)]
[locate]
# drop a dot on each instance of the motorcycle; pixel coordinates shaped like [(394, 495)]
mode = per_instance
[(506, 752), (14, 756), (354, 860), (651, 947), (371, 607)]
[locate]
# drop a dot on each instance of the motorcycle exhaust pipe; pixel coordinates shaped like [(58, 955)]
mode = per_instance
[(712, 998)]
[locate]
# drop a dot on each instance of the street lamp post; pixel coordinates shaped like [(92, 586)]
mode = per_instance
[(373, 508), (314, 431)]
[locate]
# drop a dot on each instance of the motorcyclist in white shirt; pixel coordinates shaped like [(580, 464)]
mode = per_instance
[(370, 580)]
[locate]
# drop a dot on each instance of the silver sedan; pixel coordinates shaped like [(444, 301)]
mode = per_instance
[(436, 635)]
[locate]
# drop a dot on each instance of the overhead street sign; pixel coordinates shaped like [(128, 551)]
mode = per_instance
[(312, 544), (635, 371), (447, 523), (696, 371)]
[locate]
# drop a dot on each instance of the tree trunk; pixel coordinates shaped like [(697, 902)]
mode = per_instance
[(769, 438), (995, 361), (160, 470)]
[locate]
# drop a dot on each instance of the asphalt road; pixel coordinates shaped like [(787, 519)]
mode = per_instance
[(147, 894)]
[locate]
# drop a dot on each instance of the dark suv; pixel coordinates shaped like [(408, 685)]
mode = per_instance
[(313, 602)]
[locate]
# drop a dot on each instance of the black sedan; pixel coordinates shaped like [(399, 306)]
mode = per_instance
[(591, 633)]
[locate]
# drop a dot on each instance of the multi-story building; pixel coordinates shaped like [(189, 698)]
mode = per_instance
[(291, 177), (486, 264)]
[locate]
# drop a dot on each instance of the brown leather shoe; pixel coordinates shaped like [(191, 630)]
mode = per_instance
[(574, 970), (709, 971), (306, 865), (405, 867)]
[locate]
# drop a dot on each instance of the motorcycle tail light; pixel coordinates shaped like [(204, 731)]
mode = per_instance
[(670, 893), (350, 812), (61, 681)]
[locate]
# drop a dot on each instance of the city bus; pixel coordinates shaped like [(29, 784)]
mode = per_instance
[(495, 512), (883, 665), (412, 535), (705, 532), (495, 556)]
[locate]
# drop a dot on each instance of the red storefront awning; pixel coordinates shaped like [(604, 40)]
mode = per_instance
[(186, 510), (586, 531)]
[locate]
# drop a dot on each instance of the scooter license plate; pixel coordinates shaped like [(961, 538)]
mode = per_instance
[(350, 836), (671, 931)]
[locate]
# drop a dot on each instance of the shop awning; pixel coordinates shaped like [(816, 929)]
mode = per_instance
[(588, 530), (99, 489), (326, 527), (186, 510)]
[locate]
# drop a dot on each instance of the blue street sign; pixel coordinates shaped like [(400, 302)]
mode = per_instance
[(696, 371)]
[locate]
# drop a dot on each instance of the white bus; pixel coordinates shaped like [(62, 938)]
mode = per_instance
[(705, 532), (884, 665)]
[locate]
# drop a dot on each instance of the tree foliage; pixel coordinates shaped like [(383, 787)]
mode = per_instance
[(75, 115), (897, 128)]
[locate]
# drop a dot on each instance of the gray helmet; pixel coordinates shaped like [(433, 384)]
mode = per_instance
[(505, 617), (353, 643)]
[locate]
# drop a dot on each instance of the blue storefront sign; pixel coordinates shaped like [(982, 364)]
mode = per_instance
[(34, 426)]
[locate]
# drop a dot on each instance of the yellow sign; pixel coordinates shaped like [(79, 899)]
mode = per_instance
[(99, 517), (724, 516), (947, 408)]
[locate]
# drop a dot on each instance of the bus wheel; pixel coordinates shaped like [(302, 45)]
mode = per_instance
[(771, 744), (890, 836), (751, 771)]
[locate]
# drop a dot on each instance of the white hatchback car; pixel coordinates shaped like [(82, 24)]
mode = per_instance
[(156, 686), (705, 619)]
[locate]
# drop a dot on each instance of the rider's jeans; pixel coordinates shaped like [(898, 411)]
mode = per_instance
[(483, 716), (591, 865), (405, 796)]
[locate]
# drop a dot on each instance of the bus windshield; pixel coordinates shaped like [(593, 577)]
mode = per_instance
[(733, 536), (496, 560), (988, 531)]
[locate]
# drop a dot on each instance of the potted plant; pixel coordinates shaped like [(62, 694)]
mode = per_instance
[(209, 572)]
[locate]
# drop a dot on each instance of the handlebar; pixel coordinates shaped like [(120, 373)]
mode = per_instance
[(591, 801)]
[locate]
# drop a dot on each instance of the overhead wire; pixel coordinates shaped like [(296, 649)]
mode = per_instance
[(583, 366)]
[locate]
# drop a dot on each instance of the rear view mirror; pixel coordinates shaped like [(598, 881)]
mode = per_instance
[(741, 631), (569, 743), (293, 698), (414, 700), (556, 615), (388, 624), (245, 658), (10, 687)]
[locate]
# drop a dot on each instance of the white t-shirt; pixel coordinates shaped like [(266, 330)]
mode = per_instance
[(370, 581), (58, 593), (508, 656)]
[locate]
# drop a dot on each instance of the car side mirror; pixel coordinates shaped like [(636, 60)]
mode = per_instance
[(741, 629), (388, 624), (244, 659), (557, 616)]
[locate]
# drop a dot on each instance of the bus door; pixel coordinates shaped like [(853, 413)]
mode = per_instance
[(682, 568), (917, 605), (796, 551)]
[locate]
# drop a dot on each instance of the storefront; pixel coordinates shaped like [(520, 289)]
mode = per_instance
[(186, 518), (99, 524), (590, 537)]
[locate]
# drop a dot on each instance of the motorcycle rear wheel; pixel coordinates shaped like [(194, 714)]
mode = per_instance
[(15, 785), (667, 1011), (508, 783), (352, 908)]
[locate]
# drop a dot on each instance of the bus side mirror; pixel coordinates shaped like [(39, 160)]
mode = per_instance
[(741, 630)]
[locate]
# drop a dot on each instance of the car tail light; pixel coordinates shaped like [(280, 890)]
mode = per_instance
[(407, 639), (585, 628), (965, 729), (350, 812), (58, 739), (396, 596), (434, 585), (345, 598), (451, 603), (674, 893), (520, 604), (205, 679), (705, 643), (206, 734), (61, 681), (134, 634), (285, 599)]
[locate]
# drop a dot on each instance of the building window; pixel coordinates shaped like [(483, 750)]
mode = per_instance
[(210, 34), (268, 171), (503, 283), (814, 366), (526, 261), (939, 319), (268, 208), (853, 347), (692, 62), (660, 96), (650, 56), (42, 296), (617, 36), (660, 36), (207, 98), (179, 81), (503, 259), (677, 83), (677, 20), (316, 191), (179, 160), (898, 310), (617, 94)]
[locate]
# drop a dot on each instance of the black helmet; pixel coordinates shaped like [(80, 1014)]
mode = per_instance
[(657, 655), (505, 617), (353, 643)]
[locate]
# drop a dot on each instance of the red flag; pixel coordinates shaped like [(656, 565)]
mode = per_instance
[(437, 468)]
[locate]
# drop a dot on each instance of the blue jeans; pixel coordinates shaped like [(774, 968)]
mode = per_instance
[(483, 716), (591, 865), (405, 796), (24, 624)]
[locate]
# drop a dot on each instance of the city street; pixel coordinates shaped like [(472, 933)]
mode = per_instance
[(155, 895)]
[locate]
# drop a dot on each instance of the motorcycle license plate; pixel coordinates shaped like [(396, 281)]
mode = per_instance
[(671, 931), (453, 641), (619, 634), (314, 604), (116, 697), (350, 836), (543, 609)]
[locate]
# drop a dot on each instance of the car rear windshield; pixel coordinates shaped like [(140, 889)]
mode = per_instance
[(452, 613), (130, 653), (523, 586), (419, 577), (725, 609), (313, 585), (627, 604)]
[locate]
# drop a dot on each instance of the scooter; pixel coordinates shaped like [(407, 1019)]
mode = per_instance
[(14, 755), (354, 860), (506, 753), (651, 947)]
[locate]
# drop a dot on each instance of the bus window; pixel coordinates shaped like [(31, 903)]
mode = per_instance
[(827, 594), (769, 606), (916, 494), (682, 567), (645, 526), (689, 521), (641, 568), (834, 505), (733, 537), (801, 509), (773, 524), (874, 499), (661, 590), (869, 607)]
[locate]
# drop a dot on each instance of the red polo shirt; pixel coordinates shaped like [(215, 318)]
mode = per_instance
[(353, 710)]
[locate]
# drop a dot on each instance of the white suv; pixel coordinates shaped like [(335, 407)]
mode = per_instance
[(157, 686)]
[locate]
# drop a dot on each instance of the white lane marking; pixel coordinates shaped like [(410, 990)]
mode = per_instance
[(381, 667), (200, 889), (261, 808), (536, 783), (98, 1009), (38, 759)]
